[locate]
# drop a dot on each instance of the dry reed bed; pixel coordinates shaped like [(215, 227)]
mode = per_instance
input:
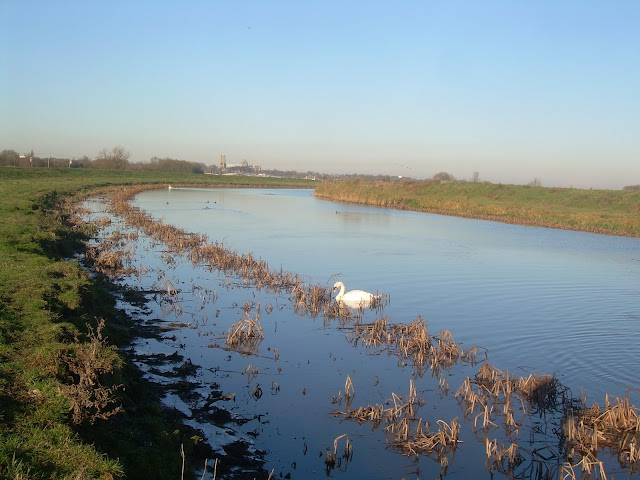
[(110, 256), (308, 298), (495, 390), (413, 343), (490, 395), (404, 431), (488, 402), (615, 427), (585, 431)]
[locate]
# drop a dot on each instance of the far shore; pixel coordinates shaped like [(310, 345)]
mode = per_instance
[(609, 212)]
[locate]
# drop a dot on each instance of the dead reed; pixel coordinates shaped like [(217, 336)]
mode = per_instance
[(371, 413), (307, 298), (541, 392), (108, 261), (372, 334), (245, 335), (405, 432), (331, 458), (615, 427), (413, 343), (501, 458), (423, 441)]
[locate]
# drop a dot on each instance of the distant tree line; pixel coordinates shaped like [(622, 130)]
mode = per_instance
[(118, 159), (115, 159), (171, 165)]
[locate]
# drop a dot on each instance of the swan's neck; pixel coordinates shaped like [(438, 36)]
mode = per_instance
[(340, 293)]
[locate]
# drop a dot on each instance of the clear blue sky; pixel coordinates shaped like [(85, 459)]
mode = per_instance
[(513, 89)]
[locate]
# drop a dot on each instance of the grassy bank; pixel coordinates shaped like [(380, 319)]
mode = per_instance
[(70, 405), (614, 212)]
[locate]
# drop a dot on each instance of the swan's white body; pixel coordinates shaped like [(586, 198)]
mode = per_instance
[(353, 298)]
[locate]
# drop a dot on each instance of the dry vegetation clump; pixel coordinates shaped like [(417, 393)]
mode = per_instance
[(492, 391), (311, 299), (103, 221), (88, 362), (110, 256), (446, 353), (109, 262), (615, 427), (500, 458), (370, 334), (371, 413), (423, 441), (543, 392), (405, 432), (412, 343), (491, 395), (246, 334)]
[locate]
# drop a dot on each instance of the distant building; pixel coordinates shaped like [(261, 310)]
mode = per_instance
[(244, 165)]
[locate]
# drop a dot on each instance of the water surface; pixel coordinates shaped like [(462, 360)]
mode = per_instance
[(537, 300)]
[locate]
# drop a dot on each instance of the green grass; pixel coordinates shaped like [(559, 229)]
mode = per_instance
[(46, 301), (615, 212)]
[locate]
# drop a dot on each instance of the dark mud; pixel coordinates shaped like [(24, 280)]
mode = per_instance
[(237, 460)]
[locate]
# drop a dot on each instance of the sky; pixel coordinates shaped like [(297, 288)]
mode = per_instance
[(514, 90)]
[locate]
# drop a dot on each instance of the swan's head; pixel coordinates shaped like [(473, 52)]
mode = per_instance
[(337, 285)]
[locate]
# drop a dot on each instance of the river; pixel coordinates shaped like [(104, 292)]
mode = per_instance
[(534, 300)]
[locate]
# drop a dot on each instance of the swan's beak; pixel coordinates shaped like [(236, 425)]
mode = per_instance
[(335, 288)]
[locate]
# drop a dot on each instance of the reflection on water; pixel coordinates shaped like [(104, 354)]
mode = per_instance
[(539, 300)]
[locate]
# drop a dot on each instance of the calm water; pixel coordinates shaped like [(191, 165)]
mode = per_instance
[(539, 300)]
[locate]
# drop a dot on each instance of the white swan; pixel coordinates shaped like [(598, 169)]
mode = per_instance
[(353, 298)]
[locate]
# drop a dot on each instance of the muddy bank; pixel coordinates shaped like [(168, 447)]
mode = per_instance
[(152, 377)]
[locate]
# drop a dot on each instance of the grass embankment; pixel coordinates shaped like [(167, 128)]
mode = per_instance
[(613, 212), (54, 365)]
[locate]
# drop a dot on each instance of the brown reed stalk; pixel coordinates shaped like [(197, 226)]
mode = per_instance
[(349, 391), (423, 441), (246, 334), (497, 454), (617, 427)]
